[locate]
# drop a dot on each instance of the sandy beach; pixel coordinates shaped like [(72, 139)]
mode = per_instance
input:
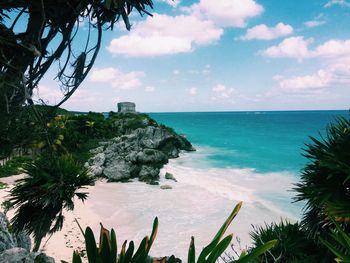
[(196, 205)]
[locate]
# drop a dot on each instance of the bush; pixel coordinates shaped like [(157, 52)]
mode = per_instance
[(293, 244), (41, 197), (13, 166), (325, 181)]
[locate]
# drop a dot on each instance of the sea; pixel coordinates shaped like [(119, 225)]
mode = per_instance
[(254, 157)]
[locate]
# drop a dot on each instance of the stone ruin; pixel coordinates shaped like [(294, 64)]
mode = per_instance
[(126, 107)]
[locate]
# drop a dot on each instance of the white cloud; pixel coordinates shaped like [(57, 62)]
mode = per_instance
[(219, 88), (335, 74), (150, 89), (116, 78), (314, 23), (192, 91), (264, 32), (342, 3), (317, 21), (176, 72), (163, 34), (298, 48), (332, 48), (227, 13), (315, 81), (48, 94), (173, 3), (222, 92), (293, 47)]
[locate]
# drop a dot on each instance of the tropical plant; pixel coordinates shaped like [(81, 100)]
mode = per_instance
[(293, 243), (49, 188), (107, 251), (325, 181), (12, 167), (341, 246)]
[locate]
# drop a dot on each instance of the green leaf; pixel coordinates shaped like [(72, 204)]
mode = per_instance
[(122, 252), (76, 257), (255, 253), (129, 252), (142, 247), (208, 249), (90, 245), (219, 249), (171, 259), (153, 234), (105, 250), (191, 252), (114, 249)]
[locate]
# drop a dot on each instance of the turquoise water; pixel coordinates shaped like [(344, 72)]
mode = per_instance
[(264, 141)]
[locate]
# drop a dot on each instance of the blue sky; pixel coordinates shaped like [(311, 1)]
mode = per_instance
[(223, 55)]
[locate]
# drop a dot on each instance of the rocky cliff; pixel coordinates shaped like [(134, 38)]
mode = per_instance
[(140, 150)]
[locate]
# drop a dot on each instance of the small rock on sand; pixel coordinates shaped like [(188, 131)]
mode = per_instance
[(165, 187)]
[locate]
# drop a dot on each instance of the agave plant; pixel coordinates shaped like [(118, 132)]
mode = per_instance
[(107, 250), (48, 189), (325, 181)]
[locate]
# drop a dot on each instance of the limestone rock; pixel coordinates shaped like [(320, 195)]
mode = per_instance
[(165, 187), (9, 240), (170, 176), (16, 248), (117, 169), (97, 150), (17, 255), (148, 173), (98, 159), (137, 153), (20, 255)]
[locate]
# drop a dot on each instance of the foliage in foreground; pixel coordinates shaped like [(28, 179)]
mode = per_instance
[(293, 243), (340, 246), (12, 167), (325, 181), (325, 187), (107, 251), (49, 188)]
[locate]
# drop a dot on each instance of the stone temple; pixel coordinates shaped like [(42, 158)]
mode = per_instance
[(126, 107)]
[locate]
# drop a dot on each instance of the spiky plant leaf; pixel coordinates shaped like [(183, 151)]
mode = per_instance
[(209, 248), (192, 252)]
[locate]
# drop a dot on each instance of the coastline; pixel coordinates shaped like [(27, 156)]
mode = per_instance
[(197, 205)]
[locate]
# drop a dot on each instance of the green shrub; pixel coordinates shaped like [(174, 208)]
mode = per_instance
[(12, 167), (293, 244), (340, 246), (41, 197), (325, 181)]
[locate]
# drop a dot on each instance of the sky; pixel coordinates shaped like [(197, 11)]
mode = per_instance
[(222, 55)]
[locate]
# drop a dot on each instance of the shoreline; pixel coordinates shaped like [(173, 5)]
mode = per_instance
[(197, 205)]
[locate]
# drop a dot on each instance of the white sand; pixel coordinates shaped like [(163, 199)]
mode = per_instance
[(197, 205)]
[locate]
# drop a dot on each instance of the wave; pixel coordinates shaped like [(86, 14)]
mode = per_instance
[(271, 191)]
